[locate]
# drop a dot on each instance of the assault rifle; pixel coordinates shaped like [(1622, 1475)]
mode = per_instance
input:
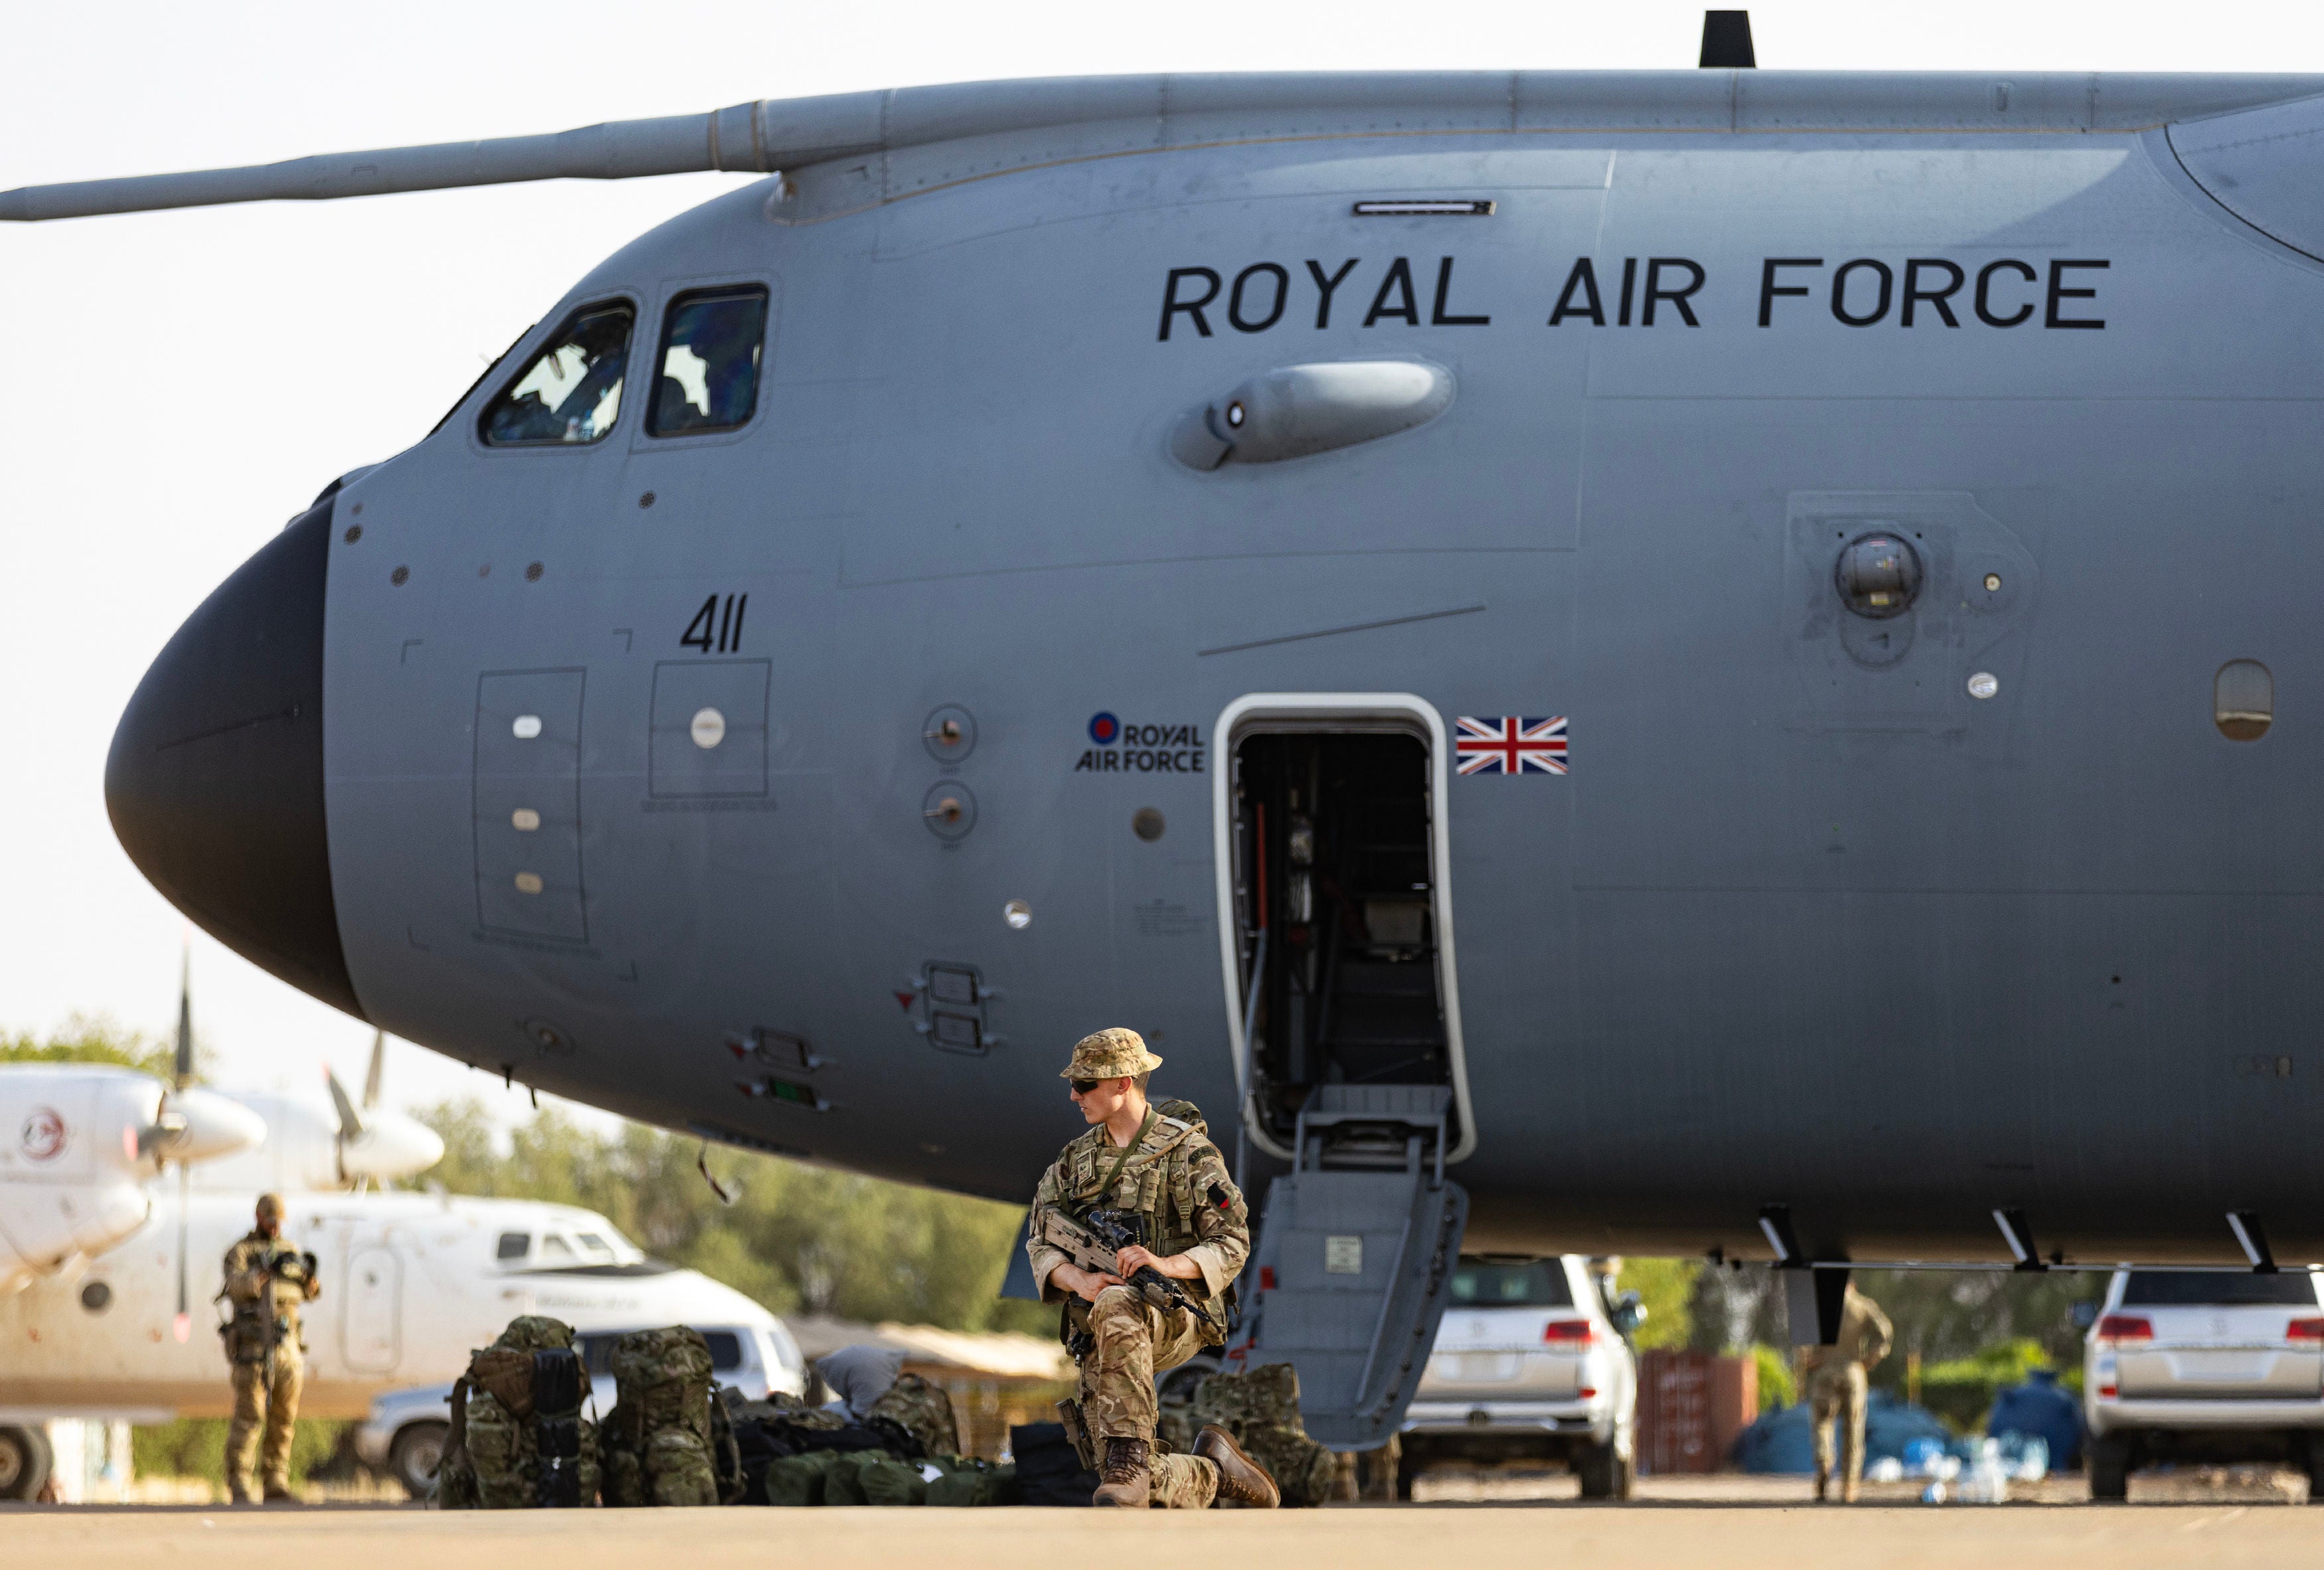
[(1099, 1236)]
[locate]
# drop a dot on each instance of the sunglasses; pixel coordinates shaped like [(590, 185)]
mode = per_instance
[(1083, 1087)]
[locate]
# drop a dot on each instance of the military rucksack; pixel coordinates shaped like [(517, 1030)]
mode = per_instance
[(657, 1443), (1261, 1409), (518, 1439), (918, 1418)]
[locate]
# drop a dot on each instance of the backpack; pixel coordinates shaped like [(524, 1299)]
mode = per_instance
[(657, 1443), (1261, 1409), (916, 1416), (518, 1439)]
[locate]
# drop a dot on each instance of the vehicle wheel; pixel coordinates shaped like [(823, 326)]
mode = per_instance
[(1601, 1472), (2107, 1460), (413, 1456), (24, 1462), (2314, 1457)]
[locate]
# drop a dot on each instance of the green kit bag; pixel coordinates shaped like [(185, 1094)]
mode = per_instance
[(970, 1483), (798, 1480), (843, 1484), (894, 1483)]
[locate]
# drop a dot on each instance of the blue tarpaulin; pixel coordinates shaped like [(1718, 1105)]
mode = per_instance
[(1780, 1440), (2038, 1409)]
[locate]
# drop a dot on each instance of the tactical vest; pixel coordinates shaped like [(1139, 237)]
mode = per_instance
[(1157, 1185), (266, 1325)]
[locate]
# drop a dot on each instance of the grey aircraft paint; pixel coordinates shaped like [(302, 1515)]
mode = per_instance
[(1806, 924)]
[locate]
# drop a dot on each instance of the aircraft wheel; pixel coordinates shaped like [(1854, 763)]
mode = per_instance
[(413, 1458), (24, 1462)]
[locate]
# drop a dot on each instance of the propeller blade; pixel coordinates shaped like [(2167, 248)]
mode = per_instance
[(185, 1063), (378, 1063), (351, 1123), (182, 1326)]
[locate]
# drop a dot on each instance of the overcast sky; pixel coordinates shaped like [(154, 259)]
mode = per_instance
[(178, 384)]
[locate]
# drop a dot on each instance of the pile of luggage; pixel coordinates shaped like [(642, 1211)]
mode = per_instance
[(519, 1439)]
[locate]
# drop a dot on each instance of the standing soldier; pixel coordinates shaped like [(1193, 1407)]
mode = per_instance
[(266, 1281), (1834, 1387), (1156, 1164)]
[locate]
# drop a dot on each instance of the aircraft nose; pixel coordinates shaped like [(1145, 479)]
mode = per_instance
[(214, 782)]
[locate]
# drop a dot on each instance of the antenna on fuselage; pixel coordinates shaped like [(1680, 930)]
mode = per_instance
[(1727, 41)]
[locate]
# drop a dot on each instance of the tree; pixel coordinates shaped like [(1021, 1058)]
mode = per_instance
[(97, 1038)]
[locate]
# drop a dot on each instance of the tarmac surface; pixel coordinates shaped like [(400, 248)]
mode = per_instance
[(1676, 1521)]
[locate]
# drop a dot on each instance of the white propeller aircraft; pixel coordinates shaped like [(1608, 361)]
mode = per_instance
[(86, 1140), (99, 1270), (311, 1146)]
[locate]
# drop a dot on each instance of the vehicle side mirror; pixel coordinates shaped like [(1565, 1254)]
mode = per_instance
[(1629, 1312), (2084, 1315)]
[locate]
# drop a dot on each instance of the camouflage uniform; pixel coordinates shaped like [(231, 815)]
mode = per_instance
[(263, 1300), (1172, 1176), (1834, 1389)]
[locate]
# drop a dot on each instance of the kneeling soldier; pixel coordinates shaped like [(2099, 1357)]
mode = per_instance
[(1159, 1176)]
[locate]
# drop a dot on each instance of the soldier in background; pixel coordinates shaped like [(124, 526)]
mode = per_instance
[(267, 1282), (1155, 1161), (1833, 1382)]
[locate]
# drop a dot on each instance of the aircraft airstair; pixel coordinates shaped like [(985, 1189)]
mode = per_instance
[(1355, 1248)]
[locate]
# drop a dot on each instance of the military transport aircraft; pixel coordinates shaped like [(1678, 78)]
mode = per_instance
[(1803, 567)]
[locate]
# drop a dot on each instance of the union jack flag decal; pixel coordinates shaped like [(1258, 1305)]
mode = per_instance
[(1510, 745)]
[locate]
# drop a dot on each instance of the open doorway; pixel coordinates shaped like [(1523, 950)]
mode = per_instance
[(1340, 926)]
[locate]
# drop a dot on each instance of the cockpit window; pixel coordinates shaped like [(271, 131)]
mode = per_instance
[(711, 344), (514, 1245), (571, 394), (553, 1247)]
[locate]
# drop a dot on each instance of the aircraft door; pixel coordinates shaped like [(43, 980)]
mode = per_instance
[(528, 804), (372, 1331), (1335, 910)]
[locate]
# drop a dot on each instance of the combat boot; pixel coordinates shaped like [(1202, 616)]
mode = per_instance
[(1123, 1480), (1240, 1479)]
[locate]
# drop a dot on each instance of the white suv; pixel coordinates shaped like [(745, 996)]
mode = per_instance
[(1530, 1363), (2204, 1366)]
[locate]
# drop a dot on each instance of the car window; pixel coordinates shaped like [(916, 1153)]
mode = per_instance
[(726, 1350), (711, 344), (571, 394), (2218, 1289), (514, 1245), (1518, 1284)]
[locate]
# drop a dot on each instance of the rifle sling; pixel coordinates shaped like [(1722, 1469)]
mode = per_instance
[(1122, 1157)]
